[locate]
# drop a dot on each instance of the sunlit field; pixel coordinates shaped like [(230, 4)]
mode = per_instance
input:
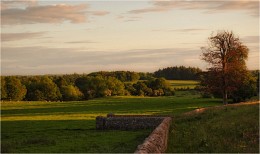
[(66, 62), (70, 126), (231, 129), (183, 84)]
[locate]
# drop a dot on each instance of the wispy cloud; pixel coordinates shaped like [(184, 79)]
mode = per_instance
[(19, 36), (180, 30), (56, 13), (7, 4), (76, 42), (250, 7), (127, 18), (99, 13), (45, 14), (251, 39), (188, 30), (41, 58)]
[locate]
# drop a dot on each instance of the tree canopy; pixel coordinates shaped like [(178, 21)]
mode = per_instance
[(120, 75), (42, 88), (227, 71), (13, 89)]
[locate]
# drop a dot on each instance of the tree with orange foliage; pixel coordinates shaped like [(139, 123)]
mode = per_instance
[(226, 57)]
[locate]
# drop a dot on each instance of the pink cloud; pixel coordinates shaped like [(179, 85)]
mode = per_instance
[(29, 12), (19, 36), (99, 13), (7, 4), (44, 14), (250, 7)]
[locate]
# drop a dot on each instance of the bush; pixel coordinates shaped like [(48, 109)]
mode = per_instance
[(206, 95), (247, 89)]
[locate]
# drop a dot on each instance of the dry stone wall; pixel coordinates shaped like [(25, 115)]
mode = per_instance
[(127, 123), (157, 140)]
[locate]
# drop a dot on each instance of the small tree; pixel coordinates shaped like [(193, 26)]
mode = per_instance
[(3, 89), (115, 86), (161, 87), (70, 93), (246, 90), (142, 89), (14, 89), (49, 89), (226, 55)]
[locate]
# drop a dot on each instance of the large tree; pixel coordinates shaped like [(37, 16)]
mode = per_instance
[(226, 55)]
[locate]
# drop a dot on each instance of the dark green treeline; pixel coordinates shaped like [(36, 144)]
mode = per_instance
[(178, 73), (82, 87)]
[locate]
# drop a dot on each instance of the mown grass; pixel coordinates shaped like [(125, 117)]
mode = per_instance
[(70, 126), (232, 129), (183, 84)]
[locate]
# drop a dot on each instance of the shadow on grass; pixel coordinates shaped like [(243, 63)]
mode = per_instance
[(66, 136), (45, 127), (116, 105)]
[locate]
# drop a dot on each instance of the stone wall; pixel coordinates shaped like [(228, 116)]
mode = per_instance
[(119, 122), (157, 140), (135, 115)]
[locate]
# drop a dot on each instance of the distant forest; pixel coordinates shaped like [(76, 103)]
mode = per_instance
[(74, 87), (97, 84), (178, 73)]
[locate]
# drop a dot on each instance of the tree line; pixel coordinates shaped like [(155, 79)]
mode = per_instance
[(82, 87), (178, 73), (123, 76)]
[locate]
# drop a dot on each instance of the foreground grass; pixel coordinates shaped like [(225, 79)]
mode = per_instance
[(227, 130), (70, 126), (66, 136)]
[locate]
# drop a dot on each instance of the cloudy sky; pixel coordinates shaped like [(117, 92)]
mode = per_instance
[(58, 37)]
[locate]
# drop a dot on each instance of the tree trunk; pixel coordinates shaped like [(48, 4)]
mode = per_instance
[(224, 67), (225, 97)]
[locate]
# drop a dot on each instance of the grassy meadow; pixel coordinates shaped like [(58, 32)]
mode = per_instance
[(183, 84), (52, 127), (70, 126), (231, 129)]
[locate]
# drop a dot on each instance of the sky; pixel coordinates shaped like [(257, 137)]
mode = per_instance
[(64, 36)]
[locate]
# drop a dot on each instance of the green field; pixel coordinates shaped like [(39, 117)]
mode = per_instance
[(179, 84), (43, 127), (70, 126), (232, 129), (183, 84)]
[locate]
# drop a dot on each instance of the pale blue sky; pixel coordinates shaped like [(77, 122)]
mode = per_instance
[(46, 37)]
